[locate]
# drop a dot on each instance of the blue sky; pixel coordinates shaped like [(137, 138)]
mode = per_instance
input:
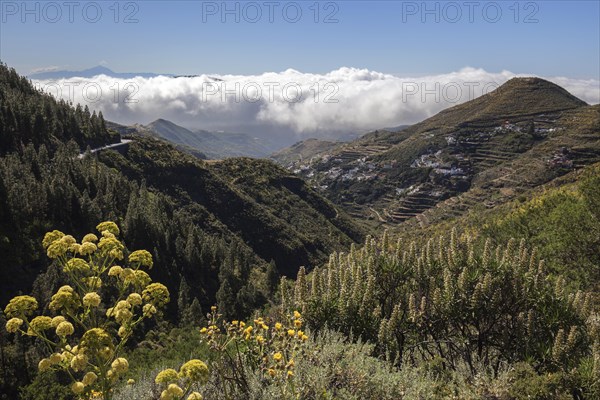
[(547, 38)]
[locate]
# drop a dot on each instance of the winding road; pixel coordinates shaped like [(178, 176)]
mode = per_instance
[(123, 142)]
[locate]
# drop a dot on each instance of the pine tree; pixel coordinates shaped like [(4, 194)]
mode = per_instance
[(194, 315), (272, 277), (183, 302), (226, 300)]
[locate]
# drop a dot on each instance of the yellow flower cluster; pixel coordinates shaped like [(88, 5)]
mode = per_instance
[(39, 324), (190, 373), (77, 265), (115, 270), (91, 299), (210, 331), (65, 329), (65, 299), (54, 359), (108, 226), (156, 294), (141, 257), (134, 299), (149, 310), (272, 349), (79, 362), (52, 237), (121, 312), (129, 276), (13, 325), (95, 339), (93, 282), (93, 361), (120, 365), (21, 306), (89, 238), (57, 245), (57, 320), (166, 376), (89, 378), (194, 371), (110, 246)]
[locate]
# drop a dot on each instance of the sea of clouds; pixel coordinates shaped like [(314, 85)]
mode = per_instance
[(291, 104)]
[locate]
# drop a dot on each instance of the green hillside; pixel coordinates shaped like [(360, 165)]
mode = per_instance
[(560, 218), (29, 116), (166, 200), (303, 151), (255, 206), (485, 151)]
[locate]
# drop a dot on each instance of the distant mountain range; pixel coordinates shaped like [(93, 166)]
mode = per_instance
[(91, 72), (202, 143), (271, 137)]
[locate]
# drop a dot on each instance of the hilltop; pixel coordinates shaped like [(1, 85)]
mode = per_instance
[(485, 151), (518, 97)]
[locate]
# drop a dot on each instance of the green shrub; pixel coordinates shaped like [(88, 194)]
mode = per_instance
[(48, 385), (527, 384), (450, 302)]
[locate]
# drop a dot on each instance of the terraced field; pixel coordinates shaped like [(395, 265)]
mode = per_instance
[(478, 154)]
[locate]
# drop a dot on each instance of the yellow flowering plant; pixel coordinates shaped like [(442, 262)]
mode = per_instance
[(178, 385), (237, 348), (85, 337)]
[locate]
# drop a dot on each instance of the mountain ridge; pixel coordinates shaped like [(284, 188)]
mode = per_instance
[(392, 177), (501, 102), (90, 73), (204, 144)]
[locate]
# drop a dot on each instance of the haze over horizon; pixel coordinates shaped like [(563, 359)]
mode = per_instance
[(304, 69), (290, 105)]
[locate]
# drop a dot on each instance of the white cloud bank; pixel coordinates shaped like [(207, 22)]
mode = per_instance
[(290, 103)]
